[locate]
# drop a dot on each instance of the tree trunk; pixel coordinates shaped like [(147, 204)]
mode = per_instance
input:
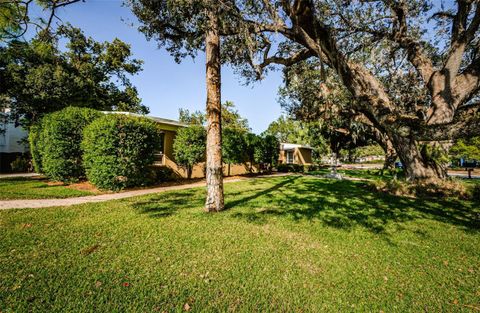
[(214, 170), (390, 156), (414, 164)]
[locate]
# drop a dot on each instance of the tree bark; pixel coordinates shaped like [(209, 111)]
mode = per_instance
[(415, 166), (214, 170), (390, 156)]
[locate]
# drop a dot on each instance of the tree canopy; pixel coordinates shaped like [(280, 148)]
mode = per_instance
[(412, 65), (231, 118), (16, 18), (39, 77)]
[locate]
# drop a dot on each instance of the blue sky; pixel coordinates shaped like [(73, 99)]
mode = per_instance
[(164, 85)]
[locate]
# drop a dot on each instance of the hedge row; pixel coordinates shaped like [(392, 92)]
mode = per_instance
[(297, 168), (55, 143), (113, 151), (118, 151)]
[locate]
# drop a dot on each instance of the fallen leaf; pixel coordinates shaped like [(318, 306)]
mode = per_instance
[(455, 301), (28, 225), (186, 307), (90, 250), (16, 287), (126, 284), (98, 284)]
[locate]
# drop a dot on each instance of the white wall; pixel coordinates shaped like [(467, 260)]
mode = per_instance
[(9, 139)]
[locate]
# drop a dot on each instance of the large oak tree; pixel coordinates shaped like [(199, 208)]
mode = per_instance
[(413, 79), (412, 65)]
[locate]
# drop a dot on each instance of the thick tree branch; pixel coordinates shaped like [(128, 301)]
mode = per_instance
[(287, 61), (466, 123)]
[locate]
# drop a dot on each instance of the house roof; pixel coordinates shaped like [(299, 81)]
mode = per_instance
[(291, 146), (156, 119)]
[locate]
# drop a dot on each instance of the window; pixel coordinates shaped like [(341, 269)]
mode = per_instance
[(159, 154), (290, 157), (162, 143)]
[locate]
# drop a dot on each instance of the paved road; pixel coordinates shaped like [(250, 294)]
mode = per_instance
[(43, 203), (463, 175)]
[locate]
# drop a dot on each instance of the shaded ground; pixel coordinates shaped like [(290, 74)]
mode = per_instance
[(285, 244)]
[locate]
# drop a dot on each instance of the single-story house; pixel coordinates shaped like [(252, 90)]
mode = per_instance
[(291, 153), (165, 155)]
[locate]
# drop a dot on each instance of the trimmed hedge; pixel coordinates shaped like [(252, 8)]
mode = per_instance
[(34, 139), (56, 143), (292, 168), (118, 150)]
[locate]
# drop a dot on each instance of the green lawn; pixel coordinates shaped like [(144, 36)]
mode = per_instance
[(372, 174), (285, 244), (35, 188)]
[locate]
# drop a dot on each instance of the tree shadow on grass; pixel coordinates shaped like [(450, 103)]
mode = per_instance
[(167, 204), (346, 204), (263, 193), (338, 204)]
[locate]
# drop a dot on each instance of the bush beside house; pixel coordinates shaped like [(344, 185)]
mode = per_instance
[(55, 143), (118, 151), (266, 152), (189, 147), (34, 140)]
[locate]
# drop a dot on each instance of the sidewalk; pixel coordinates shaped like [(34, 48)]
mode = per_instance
[(44, 203), (19, 175)]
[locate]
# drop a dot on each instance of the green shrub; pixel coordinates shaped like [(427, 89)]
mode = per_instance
[(20, 165), (291, 168), (189, 147), (266, 152), (34, 139), (60, 137), (118, 150), (160, 174)]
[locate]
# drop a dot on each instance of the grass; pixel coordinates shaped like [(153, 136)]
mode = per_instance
[(372, 174), (35, 188), (285, 244)]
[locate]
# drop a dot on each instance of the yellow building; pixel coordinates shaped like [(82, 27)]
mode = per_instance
[(291, 153), (165, 155)]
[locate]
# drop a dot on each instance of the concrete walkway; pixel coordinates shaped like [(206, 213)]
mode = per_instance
[(19, 175), (44, 203)]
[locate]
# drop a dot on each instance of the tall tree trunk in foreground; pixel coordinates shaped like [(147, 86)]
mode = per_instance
[(214, 172)]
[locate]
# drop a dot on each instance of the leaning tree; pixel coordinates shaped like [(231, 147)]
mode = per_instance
[(412, 66)]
